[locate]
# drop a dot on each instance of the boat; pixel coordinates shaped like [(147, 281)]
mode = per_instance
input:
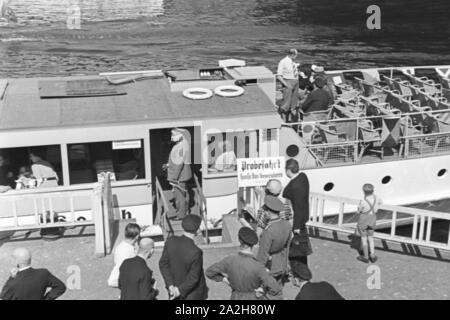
[(387, 126)]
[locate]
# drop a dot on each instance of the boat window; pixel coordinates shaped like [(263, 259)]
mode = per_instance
[(124, 159), (31, 167), (225, 148)]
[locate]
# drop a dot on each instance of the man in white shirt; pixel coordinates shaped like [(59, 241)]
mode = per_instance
[(287, 74), (125, 250)]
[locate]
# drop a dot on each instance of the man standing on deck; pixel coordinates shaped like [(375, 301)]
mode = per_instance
[(27, 283), (181, 264), (179, 171), (248, 279), (274, 242), (287, 74)]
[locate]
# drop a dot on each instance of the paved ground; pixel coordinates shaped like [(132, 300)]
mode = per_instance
[(402, 276)]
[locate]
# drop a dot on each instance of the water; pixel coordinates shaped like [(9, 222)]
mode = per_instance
[(136, 34), (122, 35)]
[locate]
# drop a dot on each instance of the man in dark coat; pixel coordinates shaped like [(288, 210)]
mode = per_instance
[(181, 264), (135, 277), (297, 192), (248, 278), (27, 283), (319, 99), (312, 290)]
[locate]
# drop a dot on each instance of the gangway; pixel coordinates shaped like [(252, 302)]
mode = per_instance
[(324, 209)]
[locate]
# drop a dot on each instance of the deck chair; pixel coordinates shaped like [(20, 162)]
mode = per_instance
[(408, 130), (330, 135), (376, 108), (316, 115), (369, 138)]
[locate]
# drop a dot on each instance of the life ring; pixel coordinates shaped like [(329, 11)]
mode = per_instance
[(229, 91), (197, 93)]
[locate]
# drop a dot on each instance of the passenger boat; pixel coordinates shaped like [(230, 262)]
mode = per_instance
[(387, 126)]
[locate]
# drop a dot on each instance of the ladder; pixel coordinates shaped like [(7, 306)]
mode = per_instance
[(338, 214)]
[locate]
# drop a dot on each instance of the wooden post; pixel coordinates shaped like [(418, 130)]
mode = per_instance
[(428, 235), (341, 214), (393, 224), (108, 212), (97, 215), (414, 231)]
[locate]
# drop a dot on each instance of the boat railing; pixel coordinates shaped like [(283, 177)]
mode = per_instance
[(203, 211), (338, 214), (351, 137), (162, 208), (53, 208)]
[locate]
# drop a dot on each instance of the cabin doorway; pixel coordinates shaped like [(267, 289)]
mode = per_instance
[(160, 147)]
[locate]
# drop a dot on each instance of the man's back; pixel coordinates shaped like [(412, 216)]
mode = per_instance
[(136, 281), (297, 191), (32, 284), (181, 265), (317, 100), (318, 291)]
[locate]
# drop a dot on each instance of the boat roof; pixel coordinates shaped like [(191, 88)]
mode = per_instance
[(150, 100)]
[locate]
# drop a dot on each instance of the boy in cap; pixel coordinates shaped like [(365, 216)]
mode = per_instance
[(181, 263), (312, 290), (179, 171), (248, 279), (367, 210), (275, 239)]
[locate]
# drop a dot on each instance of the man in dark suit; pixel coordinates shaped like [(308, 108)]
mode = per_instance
[(27, 283), (312, 290), (297, 192), (135, 277), (181, 264)]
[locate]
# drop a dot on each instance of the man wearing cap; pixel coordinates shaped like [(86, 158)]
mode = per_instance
[(274, 188), (318, 99), (179, 171), (312, 290), (181, 264), (248, 278), (274, 242), (287, 74), (319, 71)]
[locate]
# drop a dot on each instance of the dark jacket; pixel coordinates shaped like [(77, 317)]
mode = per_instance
[(32, 284), (245, 274), (317, 100), (318, 291), (136, 281), (297, 191), (181, 265), (179, 165)]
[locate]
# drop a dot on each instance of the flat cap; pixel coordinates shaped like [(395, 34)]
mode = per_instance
[(248, 236), (273, 203), (300, 270), (191, 223)]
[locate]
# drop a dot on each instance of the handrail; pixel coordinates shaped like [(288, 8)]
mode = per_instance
[(203, 208), (162, 208), (421, 220)]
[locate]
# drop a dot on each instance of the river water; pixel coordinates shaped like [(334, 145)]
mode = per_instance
[(137, 34), (117, 35)]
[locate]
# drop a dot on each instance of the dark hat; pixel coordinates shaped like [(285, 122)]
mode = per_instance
[(273, 203), (191, 223), (319, 82), (248, 236), (300, 270)]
